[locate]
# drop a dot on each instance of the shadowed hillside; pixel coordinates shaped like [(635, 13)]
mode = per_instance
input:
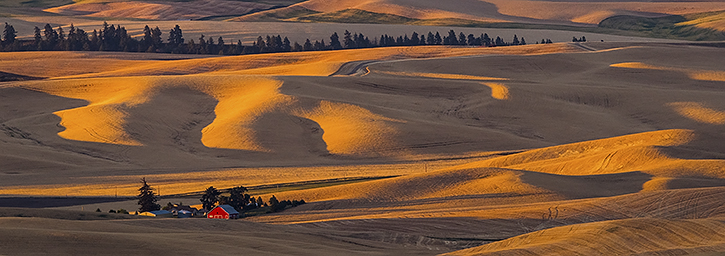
[(470, 150)]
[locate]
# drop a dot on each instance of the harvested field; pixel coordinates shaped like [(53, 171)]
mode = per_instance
[(407, 150)]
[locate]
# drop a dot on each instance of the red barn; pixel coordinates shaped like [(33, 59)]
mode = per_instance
[(223, 212)]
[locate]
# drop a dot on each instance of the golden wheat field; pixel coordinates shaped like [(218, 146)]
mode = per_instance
[(598, 148)]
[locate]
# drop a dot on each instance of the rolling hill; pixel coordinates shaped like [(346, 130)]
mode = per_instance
[(515, 149)]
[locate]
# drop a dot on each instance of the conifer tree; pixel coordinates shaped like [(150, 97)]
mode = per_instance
[(38, 39), (286, 45), (274, 204), (347, 40), (191, 47), (51, 37), (240, 47), (210, 46), (156, 39), (296, 47), (431, 38), (451, 38), (414, 39), (220, 45), (61, 34), (176, 36), (202, 45), (334, 42), (486, 41), (9, 35), (147, 39), (499, 42), (71, 41), (308, 45), (147, 198)]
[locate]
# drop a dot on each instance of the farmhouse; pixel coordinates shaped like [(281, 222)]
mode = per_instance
[(178, 208), (223, 212), (184, 214)]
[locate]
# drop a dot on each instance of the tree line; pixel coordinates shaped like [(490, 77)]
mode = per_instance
[(211, 197), (116, 38)]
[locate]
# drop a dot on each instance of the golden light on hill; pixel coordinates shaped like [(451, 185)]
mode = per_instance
[(698, 112)]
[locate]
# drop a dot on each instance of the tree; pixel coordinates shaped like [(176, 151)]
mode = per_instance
[(202, 45), (431, 38), (499, 42), (176, 39), (8, 34), (38, 39), (308, 45), (516, 40), (240, 48), (486, 41), (275, 205), (451, 38), (191, 47), (472, 40), (296, 47), (334, 42), (523, 41), (347, 40), (414, 39), (237, 198), (260, 202), (51, 37), (462, 39), (210, 198), (61, 34), (176, 36), (147, 40), (210, 46), (286, 45), (220, 45), (147, 198)]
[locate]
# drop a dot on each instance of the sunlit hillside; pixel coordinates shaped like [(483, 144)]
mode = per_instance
[(566, 148)]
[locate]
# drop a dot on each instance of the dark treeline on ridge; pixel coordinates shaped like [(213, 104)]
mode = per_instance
[(116, 38)]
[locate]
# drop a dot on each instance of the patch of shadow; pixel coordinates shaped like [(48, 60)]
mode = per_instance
[(690, 153), (287, 134), (173, 117), (45, 202), (9, 77), (588, 186), (431, 233)]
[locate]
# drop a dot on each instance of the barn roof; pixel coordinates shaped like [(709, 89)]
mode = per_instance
[(156, 213), (228, 208)]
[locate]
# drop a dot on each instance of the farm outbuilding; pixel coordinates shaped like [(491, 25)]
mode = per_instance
[(223, 212), (184, 214), (159, 213)]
